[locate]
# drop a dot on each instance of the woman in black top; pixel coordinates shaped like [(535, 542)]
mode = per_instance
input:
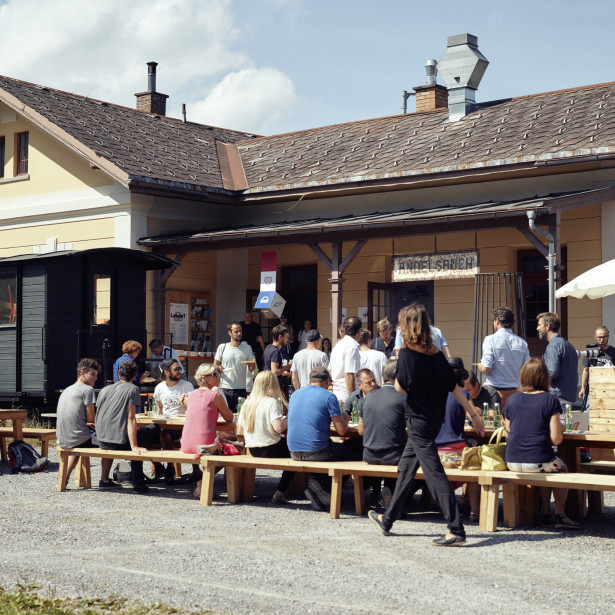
[(424, 375)]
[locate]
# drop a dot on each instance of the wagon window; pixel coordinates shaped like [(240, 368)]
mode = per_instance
[(8, 299), (102, 299)]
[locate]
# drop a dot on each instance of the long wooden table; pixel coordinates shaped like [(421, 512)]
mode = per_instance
[(16, 416), (177, 422)]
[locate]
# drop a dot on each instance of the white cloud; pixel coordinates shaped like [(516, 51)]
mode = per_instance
[(250, 99), (100, 49)]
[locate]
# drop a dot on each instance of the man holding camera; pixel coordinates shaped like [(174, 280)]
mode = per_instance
[(560, 356), (606, 355)]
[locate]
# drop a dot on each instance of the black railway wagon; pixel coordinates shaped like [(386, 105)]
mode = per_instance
[(59, 307)]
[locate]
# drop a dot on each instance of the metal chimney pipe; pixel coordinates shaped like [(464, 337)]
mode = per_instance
[(431, 68), (151, 76)]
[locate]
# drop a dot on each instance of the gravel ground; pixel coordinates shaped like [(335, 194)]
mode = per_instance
[(262, 558)]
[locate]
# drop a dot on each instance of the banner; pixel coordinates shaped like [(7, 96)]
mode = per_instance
[(439, 266)]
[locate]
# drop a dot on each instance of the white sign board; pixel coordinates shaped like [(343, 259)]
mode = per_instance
[(438, 266), (179, 323)]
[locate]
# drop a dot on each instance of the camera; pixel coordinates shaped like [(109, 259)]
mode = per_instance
[(592, 352)]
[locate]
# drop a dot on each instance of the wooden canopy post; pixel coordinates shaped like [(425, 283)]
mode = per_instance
[(336, 267)]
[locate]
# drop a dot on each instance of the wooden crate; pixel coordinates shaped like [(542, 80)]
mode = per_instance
[(602, 407), (602, 398)]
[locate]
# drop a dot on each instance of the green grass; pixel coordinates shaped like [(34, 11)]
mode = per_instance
[(25, 599)]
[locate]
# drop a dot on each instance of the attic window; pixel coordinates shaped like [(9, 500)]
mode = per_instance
[(21, 147)]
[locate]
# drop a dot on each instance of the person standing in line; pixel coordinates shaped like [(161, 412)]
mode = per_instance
[(306, 360), (426, 378), (602, 340), (345, 360), (236, 358), (373, 360), (560, 358), (385, 342), (76, 413), (160, 352), (437, 336), (252, 334), (302, 337), (504, 353), (116, 425)]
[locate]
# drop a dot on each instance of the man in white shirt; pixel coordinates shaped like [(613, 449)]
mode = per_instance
[(235, 357), (172, 398), (373, 360), (306, 360), (345, 360)]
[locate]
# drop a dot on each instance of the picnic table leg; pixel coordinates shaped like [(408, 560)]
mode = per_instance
[(489, 497), (207, 484), (359, 495), (510, 496), (233, 484), (336, 493), (44, 448), (595, 502), (83, 477), (3, 449), (62, 470), (246, 484), (17, 429), (575, 502)]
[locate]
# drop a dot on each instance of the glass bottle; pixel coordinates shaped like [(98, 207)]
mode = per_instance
[(497, 416), (568, 417), (355, 412)]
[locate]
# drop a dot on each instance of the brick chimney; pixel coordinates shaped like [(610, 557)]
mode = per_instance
[(152, 101), (431, 96)]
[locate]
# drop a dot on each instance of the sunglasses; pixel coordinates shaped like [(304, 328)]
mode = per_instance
[(214, 375)]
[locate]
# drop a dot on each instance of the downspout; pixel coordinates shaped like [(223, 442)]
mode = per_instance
[(531, 215)]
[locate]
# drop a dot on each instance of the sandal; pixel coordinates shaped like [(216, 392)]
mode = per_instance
[(562, 522)]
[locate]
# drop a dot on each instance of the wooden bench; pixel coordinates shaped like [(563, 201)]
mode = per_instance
[(44, 435), (518, 490), (240, 472)]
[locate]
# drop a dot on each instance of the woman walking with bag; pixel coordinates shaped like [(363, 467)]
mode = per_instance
[(426, 378)]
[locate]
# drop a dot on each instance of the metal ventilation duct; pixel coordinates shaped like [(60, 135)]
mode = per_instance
[(462, 67)]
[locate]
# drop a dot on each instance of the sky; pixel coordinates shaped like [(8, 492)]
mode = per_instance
[(275, 66)]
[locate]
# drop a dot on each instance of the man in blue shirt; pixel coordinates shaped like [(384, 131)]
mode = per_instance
[(561, 358), (310, 413), (504, 354)]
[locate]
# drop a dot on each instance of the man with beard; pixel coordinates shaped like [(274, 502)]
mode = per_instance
[(561, 358), (602, 340)]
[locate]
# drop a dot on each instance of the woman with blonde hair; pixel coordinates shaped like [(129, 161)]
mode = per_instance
[(425, 377), (261, 423), (532, 419)]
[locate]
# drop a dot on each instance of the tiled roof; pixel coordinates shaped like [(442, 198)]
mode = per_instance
[(574, 122), (153, 148)]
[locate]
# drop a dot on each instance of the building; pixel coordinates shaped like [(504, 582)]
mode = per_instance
[(369, 215)]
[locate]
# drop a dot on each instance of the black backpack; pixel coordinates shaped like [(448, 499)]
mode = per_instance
[(24, 458)]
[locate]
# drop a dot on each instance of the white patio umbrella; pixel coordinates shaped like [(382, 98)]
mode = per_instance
[(594, 284)]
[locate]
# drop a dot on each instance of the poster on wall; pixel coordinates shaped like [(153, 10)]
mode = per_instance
[(344, 313), (179, 323)]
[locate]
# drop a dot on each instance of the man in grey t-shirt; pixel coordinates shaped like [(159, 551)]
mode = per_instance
[(116, 425), (306, 360), (76, 412), (236, 358)]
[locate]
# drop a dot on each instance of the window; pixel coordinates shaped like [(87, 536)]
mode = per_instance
[(1, 156), (22, 139), (102, 299), (8, 298)]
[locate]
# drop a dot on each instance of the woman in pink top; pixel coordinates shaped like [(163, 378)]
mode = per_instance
[(202, 409)]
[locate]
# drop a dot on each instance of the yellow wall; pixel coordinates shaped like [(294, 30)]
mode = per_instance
[(51, 166), (85, 234)]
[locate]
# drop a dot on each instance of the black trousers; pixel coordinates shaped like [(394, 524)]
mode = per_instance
[(232, 395), (279, 449), (137, 477), (421, 450)]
